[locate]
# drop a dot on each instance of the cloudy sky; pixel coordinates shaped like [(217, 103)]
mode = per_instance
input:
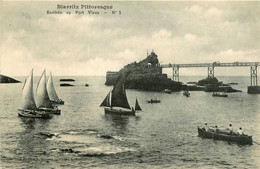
[(179, 32)]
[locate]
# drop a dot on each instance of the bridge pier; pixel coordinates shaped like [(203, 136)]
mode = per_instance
[(253, 89), (253, 73), (210, 71), (175, 70)]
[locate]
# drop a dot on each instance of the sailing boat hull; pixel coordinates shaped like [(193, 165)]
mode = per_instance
[(119, 111), (50, 111), (57, 102), (33, 114)]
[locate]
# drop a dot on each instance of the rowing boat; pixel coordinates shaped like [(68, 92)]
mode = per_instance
[(230, 137)]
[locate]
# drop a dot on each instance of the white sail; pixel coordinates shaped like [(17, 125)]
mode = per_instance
[(50, 89), (28, 101), (43, 100)]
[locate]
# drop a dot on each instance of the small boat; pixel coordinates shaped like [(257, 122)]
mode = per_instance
[(155, 100), (219, 94), (52, 93), (186, 93), (234, 137), (167, 91), (116, 102), (29, 108), (43, 101)]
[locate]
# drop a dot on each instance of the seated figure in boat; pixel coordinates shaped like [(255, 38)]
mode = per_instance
[(230, 129), (240, 131), (216, 129), (206, 127)]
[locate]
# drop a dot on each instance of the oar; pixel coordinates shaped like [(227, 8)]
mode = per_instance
[(256, 142)]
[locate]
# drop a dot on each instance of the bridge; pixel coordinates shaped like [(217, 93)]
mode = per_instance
[(211, 66)]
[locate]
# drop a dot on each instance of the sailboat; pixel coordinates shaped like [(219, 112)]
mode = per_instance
[(137, 106), (52, 93), (29, 108), (116, 102), (43, 100)]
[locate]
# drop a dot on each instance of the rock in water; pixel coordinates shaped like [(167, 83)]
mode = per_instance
[(6, 79), (145, 75), (66, 84), (210, 85), (68, 80)]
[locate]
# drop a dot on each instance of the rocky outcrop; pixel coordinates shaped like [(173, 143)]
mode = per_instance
[(6, 79), (67, 80), (145, 75), (210, 85), (66, 84), (207, 81)]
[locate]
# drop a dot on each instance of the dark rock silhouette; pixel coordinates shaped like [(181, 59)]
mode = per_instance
[(210, 85), (67, 80), (145, 75), (6, 79), (66, 84), (208, 80)]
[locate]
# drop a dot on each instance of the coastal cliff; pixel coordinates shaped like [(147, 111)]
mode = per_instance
[(6, 79), (145, 75)]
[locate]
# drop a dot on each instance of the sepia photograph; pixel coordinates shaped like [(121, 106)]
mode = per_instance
[(129, 84)]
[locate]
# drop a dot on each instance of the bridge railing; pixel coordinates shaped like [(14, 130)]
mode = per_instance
[(214, 64)]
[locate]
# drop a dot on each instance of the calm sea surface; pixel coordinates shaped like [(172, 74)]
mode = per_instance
[(162, 136)]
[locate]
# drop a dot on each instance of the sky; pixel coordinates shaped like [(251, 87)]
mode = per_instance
[(178, 32)]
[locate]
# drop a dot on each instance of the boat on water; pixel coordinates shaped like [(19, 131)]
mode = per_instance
[(52, 92), (155, 100), (226, 136), (43, 101), (219, 94), (167, 91), (29, 108), (186, 93), (116, 102)]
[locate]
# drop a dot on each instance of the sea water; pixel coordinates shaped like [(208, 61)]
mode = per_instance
[(163, 135)]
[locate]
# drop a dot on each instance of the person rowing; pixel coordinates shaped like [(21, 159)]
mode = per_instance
[(240, 131), (230, 129), (206, 127), (216, 129)]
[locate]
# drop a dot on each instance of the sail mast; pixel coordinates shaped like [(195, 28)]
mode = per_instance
[(28, 101), (119, 98), (50, 89), (43, 99), (137, 106), (106, 102)]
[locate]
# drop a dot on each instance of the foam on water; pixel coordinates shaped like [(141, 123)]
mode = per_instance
[(105, 149)]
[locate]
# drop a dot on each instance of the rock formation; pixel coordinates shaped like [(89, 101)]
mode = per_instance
[(6, 79), (210, 85), (145, 75)]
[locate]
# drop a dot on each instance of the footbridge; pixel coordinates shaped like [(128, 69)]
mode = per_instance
[(211, 66)]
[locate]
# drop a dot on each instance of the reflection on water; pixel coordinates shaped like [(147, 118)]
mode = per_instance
[(31, 145), (118, 122)]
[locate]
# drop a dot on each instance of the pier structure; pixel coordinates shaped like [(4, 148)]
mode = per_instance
[(211, 66)]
